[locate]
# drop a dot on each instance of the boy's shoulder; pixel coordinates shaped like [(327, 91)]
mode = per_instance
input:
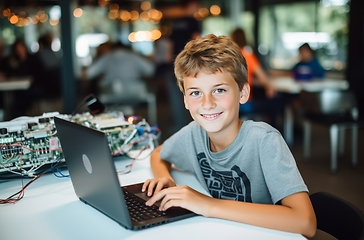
[(258, 126), (252, 131)]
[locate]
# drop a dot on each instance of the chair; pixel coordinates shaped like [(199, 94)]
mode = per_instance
[(336, 109), (127, 97), (127, 105), (337, 217)]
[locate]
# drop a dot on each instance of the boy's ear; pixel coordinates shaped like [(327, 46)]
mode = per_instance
[(244, 93), (184, 100)]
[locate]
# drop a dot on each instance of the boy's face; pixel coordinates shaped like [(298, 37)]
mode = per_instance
[(305, 54), (213, 100)]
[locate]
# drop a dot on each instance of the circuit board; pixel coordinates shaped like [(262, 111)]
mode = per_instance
[(28, 144)]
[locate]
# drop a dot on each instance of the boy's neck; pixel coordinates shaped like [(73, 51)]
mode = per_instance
[(220, 141)]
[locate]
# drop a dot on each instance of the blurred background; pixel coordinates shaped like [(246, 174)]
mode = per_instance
[(274, 28), (81, 31)]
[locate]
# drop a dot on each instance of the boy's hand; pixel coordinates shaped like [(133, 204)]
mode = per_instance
[(155, 185), (184, 197)]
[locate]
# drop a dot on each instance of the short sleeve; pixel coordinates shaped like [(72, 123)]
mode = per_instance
[(279, 167), (177, 149)]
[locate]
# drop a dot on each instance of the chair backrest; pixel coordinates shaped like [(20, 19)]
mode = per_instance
[(338, 217), (328, 101)]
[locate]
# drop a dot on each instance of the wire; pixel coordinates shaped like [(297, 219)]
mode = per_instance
[(55, 168), (129, 167), (83, 102), (136, 158), (57, 171), (20, 194), (61, 175), (127, 147), (35, 172)]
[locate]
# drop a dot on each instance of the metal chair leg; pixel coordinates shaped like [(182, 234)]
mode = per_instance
[(288, 125), (341, 141), (306, 139), (334, 135), (354, 146)]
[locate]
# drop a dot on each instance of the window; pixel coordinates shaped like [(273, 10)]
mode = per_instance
[(284, 27)]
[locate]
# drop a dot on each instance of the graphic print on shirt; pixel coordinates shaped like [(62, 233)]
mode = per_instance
[(232, 184)]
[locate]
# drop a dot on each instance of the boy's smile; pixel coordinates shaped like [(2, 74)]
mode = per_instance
[(213, 101), (209, 117)]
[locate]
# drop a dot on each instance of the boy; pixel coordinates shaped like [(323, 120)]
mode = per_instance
[(308, 66), (247, 167)]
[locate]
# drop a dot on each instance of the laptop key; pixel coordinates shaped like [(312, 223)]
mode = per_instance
[(138, 210)]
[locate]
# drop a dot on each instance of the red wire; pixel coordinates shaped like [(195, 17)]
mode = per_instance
[(21, 192)]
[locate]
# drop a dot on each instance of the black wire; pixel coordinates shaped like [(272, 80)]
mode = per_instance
[(42, 170), (83, 102), (5, 177), (54, 166), (21, 191)]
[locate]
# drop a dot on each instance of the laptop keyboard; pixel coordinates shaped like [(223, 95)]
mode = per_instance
[(138, 210)]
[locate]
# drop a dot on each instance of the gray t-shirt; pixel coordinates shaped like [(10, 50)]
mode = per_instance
[(257, 167)]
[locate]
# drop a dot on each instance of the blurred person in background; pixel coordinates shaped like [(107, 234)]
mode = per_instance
[(308, 66), (184, 29), (87, 87), (51, 76), (20, 63), (163, 59), (122, 74), (103, 49), (268, 104)]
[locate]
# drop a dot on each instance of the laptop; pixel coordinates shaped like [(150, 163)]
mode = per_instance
[(95, 181)]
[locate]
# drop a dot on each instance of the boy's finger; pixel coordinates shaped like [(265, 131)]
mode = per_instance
[(151, 188), (159, 187), (145, 184), (156, 197)]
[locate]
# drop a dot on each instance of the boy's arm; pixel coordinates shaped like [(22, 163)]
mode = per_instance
[(263, 81), (294, 215), (161, 173), (160, 168)]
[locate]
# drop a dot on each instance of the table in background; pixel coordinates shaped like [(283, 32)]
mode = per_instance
[(7, 87), (51, 210), (290, 86)]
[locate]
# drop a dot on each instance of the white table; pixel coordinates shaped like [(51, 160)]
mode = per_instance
[(51, 210), (12, 84), (290, 86)]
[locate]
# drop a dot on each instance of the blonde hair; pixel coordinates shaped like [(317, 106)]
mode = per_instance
[(211, 54)]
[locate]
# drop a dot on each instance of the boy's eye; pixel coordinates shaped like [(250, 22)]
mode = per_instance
[(220, 90), (195, 93)]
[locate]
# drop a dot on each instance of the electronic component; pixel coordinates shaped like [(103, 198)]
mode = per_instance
[(28, 144)]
